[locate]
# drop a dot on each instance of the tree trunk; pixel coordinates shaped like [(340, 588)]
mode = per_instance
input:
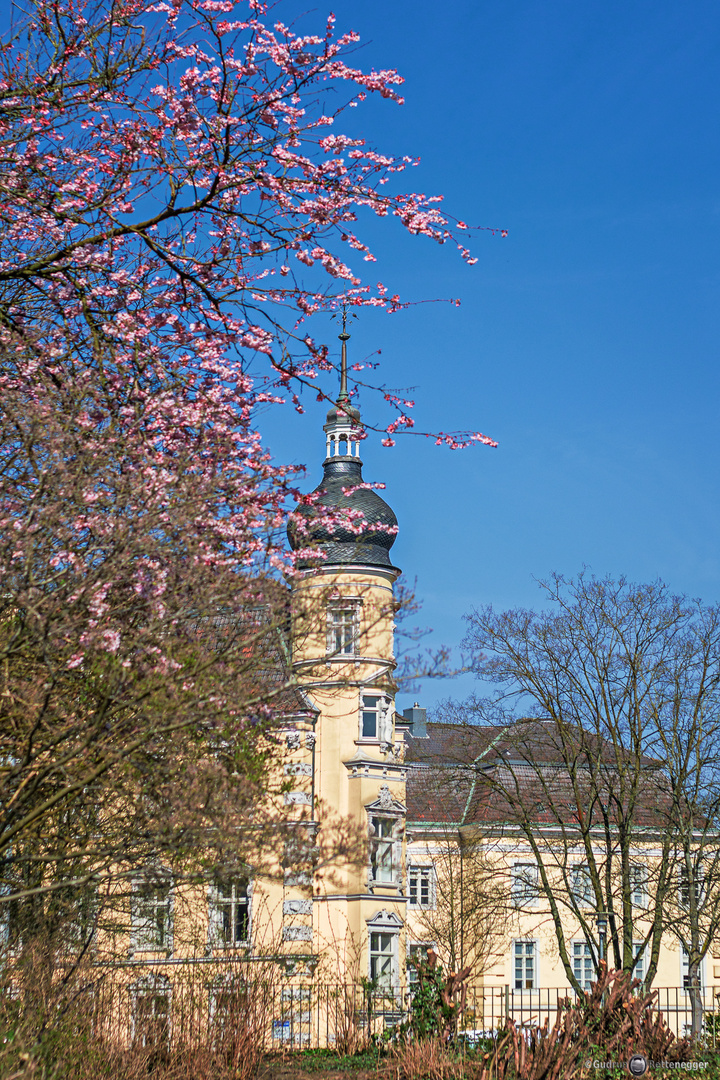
[(696, 1000)]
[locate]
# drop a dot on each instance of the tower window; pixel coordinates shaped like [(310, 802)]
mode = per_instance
[(416, 954), (151, 1012), (381, 958), (382, 843), (638, 885), (639, 969), (583, 964), (370, 716), (581, 886), (342, 630), (697, 891)]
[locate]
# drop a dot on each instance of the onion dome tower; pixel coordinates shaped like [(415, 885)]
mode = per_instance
[(343, 610), (365, 529)]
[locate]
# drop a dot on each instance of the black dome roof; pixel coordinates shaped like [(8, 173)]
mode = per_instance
[(369, 542)]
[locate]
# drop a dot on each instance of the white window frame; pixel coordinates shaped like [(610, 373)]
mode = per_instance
[(386, 925), (417, 875), (382, 951), (583, 971), (528, 949), (230, 986), (581, 890), (684, 887), (370, 705), (383, 855), (638, 885), (413, 951), (346, 646), (223, 906), (524, 884), (640, 969), (158, 988), (143, 937), (386, 826)]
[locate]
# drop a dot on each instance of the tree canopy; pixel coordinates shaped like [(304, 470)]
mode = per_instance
[(606, 704)]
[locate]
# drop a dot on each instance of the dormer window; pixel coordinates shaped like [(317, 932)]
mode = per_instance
[(342, 632)]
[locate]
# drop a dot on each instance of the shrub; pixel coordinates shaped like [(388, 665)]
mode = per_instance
[(437, 1000), (610, 1020)]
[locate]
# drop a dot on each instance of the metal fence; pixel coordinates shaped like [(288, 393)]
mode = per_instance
[(310, 1016), (279, 1014), (488, 1007), (343, 1016)]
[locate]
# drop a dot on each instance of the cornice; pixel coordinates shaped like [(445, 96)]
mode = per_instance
[(391, 573), (380, 770)]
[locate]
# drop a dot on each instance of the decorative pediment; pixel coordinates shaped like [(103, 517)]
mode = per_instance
[(385, 803), (386, 922)]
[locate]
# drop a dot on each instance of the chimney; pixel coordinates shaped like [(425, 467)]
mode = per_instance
[(417, 721)]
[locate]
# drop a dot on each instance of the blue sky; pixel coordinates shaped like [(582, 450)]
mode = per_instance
[(587, 341)]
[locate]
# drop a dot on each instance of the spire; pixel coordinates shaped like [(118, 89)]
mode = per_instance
[(343, 428), (344, 337)]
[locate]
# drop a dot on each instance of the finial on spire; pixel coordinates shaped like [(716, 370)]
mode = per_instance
[(343, 396)]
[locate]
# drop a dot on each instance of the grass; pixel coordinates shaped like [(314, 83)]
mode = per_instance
[(329, 1060)]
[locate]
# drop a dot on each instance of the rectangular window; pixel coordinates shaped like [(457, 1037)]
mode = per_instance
[(639, 969), (342, 630), (229, 1004), (381, 958), (420, 887), (638, 885), (382, 844), (151, 915), (583, 966), (232, 912), (415, 955), (370, 714), (581, 886), (151, 1014), (525, 975), (684, 886), (524, 884), (686, 971)]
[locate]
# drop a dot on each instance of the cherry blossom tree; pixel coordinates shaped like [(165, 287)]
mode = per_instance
[(176, 204)]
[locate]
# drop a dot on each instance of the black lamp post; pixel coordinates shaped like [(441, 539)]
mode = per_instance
[(602, 920)]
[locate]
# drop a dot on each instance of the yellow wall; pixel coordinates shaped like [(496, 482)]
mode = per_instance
[(350, 772)]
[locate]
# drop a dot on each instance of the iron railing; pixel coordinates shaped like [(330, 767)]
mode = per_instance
[(336, 1015)]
